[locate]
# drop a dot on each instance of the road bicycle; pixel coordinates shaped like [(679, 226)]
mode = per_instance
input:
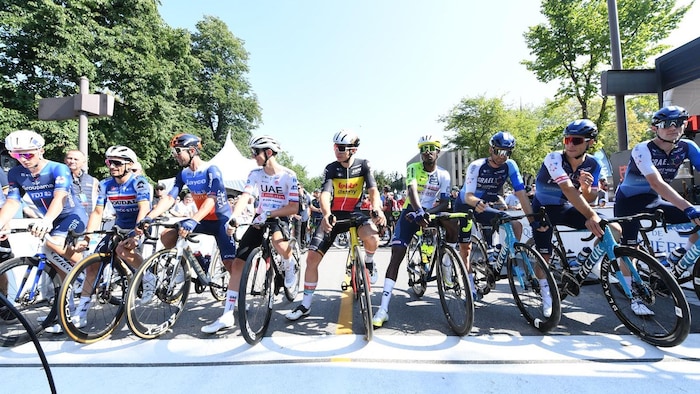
[(648, 283), (356, 273), (105, 278), (262, 279), (524, 267), (427, 261), (161, 286), (31, 284), (687, 268)]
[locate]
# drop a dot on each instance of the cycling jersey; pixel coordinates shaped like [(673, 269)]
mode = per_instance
[(54, 176), (556, 170), (647, 158), (347, 184), (273, 191), (125, 198), (431, 186), (484, 181), (206, 181)]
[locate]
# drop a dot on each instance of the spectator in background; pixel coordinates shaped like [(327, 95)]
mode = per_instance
[(512, 202), (185, 208), (84, 185), (159, 192), (602, 192)]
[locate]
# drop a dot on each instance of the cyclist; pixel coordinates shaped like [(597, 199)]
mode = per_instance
[(653, 165), (277, 189), (344, 180), (484, 179), (131, 198), (428, 190), (205, 182)]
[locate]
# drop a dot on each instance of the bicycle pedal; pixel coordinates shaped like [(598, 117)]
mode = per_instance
[(344, 286)]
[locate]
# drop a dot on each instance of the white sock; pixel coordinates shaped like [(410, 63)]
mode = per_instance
[(386, 293), (231, 299)]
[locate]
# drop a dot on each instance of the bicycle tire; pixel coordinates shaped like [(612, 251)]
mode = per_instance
[(484, 277), (526, 287), (417, 275), (39, 312), (151, 318), (255, 297), (670, 324), (362, 286), (291, 294), (559, 266), (455, 292), (108, 299), (219, 275), (696, 279)]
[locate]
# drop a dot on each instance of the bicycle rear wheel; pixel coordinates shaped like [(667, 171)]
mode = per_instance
[(158, 294), (17, 279), (361, 286), (107, 288), (527, 290), (455, 291), (219, 275), (417, 272), (658, 291), (255, 297), (484, 277)]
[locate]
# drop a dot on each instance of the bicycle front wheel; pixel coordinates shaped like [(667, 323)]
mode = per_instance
[(32, 293), (219, 276), (529, 292), (291, 294), (361, 286), (454, 291), (666, 320), (255, 297), (158, 294), (105, 285), (417, 271)]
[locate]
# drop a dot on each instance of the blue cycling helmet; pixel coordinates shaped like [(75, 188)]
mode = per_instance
[(502, 140), (582, 128), (669, 113)]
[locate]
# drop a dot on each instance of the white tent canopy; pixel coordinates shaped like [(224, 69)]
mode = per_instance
[(234, 167)]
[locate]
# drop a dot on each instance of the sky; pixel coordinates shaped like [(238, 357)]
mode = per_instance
[(387, 69)]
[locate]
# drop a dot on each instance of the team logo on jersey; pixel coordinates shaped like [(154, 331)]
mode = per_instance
[(141, 185), (60, 180)]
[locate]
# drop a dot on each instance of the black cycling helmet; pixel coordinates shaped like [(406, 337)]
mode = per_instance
[(186, 141), (502, 140), (582, 128)]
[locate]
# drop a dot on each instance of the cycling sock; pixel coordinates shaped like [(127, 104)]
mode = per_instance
[(471, 283), (543, 283), (309, 289), (386, 293), (369, 259), (84, 305), (231, 298)]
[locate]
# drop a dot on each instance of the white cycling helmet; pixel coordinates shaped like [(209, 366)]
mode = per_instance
[(121, 152), (429, 140), (264, 142), (346, 137), (24, 140)]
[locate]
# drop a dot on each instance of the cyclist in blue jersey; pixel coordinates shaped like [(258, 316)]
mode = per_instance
[(653, 165), (50, 186), (206, 184), (484, 179), (130, 196)]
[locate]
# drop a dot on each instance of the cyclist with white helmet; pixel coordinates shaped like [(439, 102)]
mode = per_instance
[(341, 195), (484, 179), (277, 190), (130, 197), (206, 184), (428, 188)]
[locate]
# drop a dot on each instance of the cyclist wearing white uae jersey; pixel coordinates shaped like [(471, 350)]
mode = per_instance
[(277, 191), (428, 189)]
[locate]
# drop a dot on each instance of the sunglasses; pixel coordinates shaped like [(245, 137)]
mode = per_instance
[(575, 140), (428, 148), (503, 152), (25, 156), (115, 163), (343, 148), (177, 150), (668, 123)]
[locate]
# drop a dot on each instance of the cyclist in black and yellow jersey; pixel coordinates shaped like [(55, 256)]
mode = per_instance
[(343, 185)]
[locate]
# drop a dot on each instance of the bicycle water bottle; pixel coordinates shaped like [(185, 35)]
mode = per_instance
[(674, 258), (492, 253), (661, 257), (583, 256), (574, 265)]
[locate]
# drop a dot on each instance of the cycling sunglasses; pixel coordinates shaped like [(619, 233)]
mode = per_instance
[(25, 156), (668, 123), (343, 148), (177, 150), (115, 163), (569, 139), (428, 148), (503, 152)]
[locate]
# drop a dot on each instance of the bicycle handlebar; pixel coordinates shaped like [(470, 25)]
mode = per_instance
[(653, 217)]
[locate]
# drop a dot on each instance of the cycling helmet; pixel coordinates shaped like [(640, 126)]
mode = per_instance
[(669, 113), (429, 140), (121, 152), (582, 128), (24, 140), (502, 140), (346, 137), (186, 141), (264, 142)]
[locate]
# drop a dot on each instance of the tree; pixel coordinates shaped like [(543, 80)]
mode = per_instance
[(573, 46)]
